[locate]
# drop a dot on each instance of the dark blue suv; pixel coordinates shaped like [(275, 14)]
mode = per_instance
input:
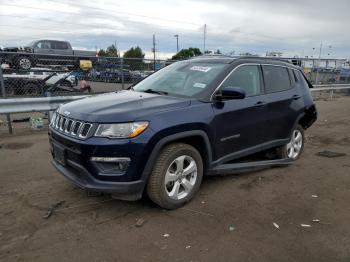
[(193, 118)]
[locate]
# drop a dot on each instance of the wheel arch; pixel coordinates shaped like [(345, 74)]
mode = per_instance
[(196, 138)]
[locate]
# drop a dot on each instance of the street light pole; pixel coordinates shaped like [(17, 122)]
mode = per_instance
[(177, 43), (319, 58), (204, 37)]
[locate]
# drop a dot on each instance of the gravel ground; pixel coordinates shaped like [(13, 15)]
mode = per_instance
[(231, 219)]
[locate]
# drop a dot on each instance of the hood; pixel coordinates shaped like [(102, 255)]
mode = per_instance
[(123, 106), (11, 49)]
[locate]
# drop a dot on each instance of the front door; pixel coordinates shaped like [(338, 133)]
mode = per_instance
[(240, 124)]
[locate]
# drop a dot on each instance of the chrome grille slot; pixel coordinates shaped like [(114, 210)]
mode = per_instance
[(60, 122), (68, 126), (53, 120), (76, 128), (57, 121), (71, 127), (84, 130), (63, 125)]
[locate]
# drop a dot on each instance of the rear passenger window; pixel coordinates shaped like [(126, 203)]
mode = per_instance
[(61, 45), (276, 78), (246, 77)]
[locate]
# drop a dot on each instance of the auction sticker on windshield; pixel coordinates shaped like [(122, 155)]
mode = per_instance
[(200, 68), (199, 85)]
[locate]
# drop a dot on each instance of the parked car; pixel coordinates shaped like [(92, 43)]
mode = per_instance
[(192, 118), (38, 82), (45, 52)]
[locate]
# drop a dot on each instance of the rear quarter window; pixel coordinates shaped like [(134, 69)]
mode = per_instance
[(300, 79), (60, 45), (276, 78)]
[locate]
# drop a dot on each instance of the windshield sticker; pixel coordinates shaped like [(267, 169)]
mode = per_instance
[(200, 68), (199, 85)]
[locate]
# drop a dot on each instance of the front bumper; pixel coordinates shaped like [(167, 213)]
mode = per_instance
[(81, 171), (80, 177)]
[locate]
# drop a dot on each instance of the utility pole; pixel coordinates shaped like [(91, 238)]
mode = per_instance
[(116, 49), (204, 37), (177, 43), (154, 52), (317, 69)]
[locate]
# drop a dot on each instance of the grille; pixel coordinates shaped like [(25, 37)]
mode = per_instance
[(71, 127)]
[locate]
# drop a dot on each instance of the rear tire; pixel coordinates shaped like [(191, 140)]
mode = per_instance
[(294, 148), (176, 176)]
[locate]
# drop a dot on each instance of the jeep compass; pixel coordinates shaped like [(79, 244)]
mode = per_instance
[(192, 118)]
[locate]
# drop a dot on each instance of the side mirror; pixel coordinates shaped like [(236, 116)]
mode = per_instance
[(230, 92)]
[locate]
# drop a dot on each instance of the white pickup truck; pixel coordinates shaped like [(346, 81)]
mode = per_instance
[(45, 52)]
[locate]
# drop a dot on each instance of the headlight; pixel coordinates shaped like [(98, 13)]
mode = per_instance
[(124, 130)]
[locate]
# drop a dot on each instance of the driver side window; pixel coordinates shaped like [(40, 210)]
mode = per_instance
[(246, 77)]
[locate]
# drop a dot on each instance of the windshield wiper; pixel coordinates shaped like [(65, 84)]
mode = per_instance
[(152, 91)]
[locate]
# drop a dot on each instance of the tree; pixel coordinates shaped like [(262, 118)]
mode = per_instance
[(134, 53), (133, 58), (101, 52), (187, 53), (111, 51), (218, 52)]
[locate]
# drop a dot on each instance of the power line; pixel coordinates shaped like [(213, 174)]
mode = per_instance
[(105, 10), (87, 26), (127, 13)]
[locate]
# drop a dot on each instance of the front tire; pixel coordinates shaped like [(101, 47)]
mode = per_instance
[(176, 176), (24, 62), (295, 146)]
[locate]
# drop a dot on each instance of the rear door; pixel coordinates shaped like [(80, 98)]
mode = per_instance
[(240, 123), (61, 48), (284, 99)]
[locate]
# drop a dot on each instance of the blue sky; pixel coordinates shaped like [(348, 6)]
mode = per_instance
[(295, 28)]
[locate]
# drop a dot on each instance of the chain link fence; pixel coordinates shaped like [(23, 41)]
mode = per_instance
[(32, 75)]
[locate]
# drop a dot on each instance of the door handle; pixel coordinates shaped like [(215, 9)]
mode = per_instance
[(296, 97), (260, 104)]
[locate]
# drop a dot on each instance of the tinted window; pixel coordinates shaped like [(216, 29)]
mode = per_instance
[(276, 78), (246, 77), (291, 76), (60, 45), (299, 78), (43, 45)]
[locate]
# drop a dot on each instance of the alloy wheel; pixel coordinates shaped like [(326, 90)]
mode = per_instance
[(295, 145), (180, 177), (25, 63)]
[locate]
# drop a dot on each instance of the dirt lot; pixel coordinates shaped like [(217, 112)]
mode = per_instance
[(231, 219)]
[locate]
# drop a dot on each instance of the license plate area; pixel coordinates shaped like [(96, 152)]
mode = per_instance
[(59, 154)]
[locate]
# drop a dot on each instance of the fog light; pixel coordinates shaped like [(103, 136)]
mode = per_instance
[(111, 165)]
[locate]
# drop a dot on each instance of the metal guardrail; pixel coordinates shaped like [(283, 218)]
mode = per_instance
[(329, 87), (35, 104)]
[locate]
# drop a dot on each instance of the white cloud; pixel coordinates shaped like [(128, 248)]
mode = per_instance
[(256, 26)]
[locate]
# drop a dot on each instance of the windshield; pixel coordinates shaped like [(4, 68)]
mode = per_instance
[(181, 79), (31, 43)]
